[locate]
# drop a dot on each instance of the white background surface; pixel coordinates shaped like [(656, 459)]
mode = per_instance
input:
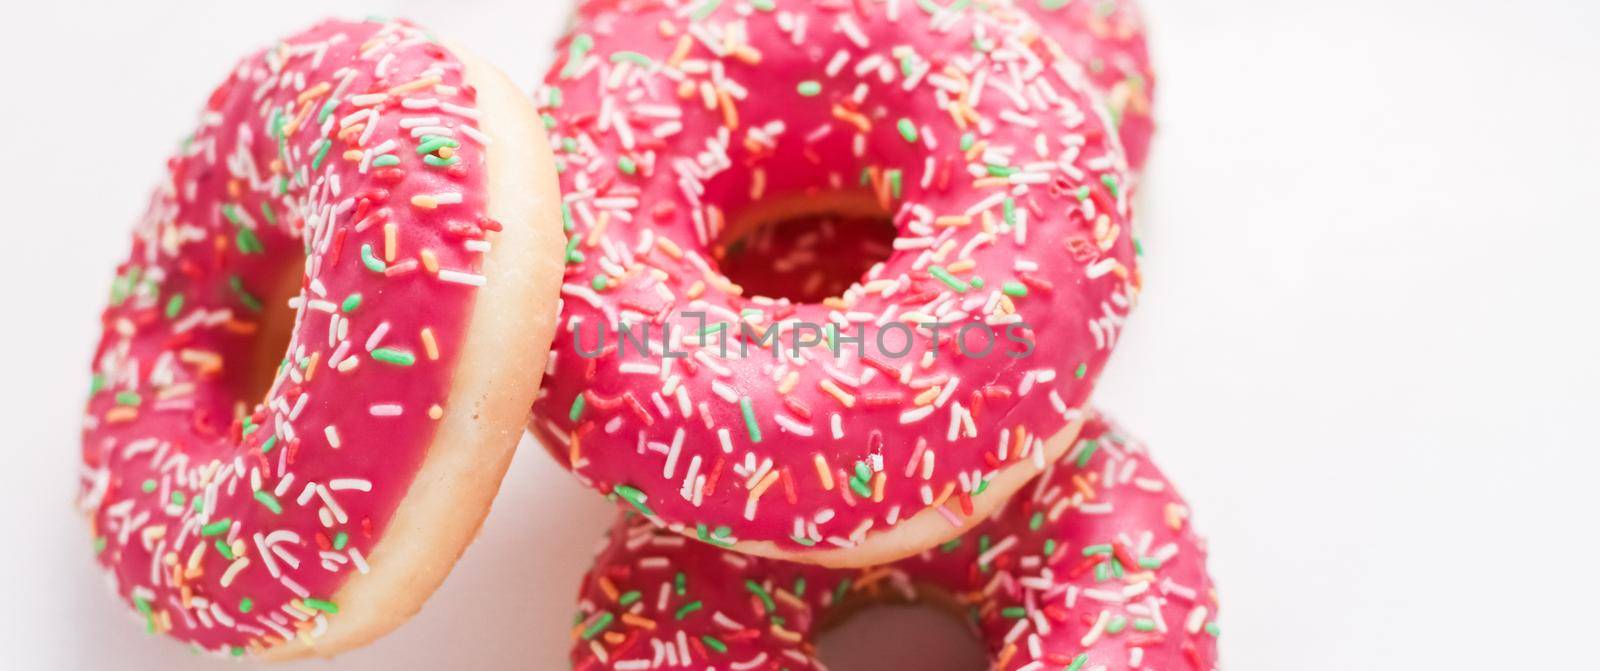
[(1367, 351)]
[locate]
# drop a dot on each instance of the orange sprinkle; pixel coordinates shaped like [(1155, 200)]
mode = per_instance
[(844, 397), (609, 588), (788, 383), (429, 345), (681, 51), (638, 621), (313, 92), (430, 261), (391, 231), (598, 229), (730, 115), (414, 85), (860, 121), (927, 395), (823, 472)]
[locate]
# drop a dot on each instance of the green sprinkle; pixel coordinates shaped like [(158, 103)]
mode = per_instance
[(1053, 5), (635, 497), (713, 643), (908, 130), (216, 527), (174, 305), (231, 213), (860, 487), (373, 263), (266, 213), (566, 217), (598, 283), (128, 398), (340, 540), (1082, 370), (1092, 550), (894, 183), (764, 5), (627, 165), (804, 542), (395, 356), (177, 498), (573, 255), (1149, 563), (951, 281), (247, 242), (577, 408), (1078, 662), (687, 608), (809, 87), (761, 593), (385, 161), (1036, 521), (433, 143), (750, 420), (1110, 181), (1213, 629), (1014, 612), (1089, 447), (319, 604), (1001, 170), (632, 57), (1144, 624), (322, 153), (1049, 546), (1015, 289), (1116, 625), (629, 597), (705, 9), (932, 7), (598, 625), (245, 605), (680, 583), (350, 303), (967, 140), (950, 545), (268, 444), (437, 162), (580, 46), (271, 502), (800, 586), (327, 110), (148, 486), (236, 283), (224, 550)]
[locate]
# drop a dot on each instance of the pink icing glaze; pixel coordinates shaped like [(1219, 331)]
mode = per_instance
[(1107, 37), (1014, 213), (1092, 566), (229, 522)]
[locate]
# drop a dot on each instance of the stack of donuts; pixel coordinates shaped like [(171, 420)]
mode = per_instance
[(817, 291)]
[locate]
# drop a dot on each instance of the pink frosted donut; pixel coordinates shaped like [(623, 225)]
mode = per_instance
[(318, 356), (1093, 566), (1107, 38), (868, 425)]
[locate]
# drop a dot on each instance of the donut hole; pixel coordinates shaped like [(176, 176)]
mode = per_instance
[(901, 637), (266, 348), (806, 251)]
